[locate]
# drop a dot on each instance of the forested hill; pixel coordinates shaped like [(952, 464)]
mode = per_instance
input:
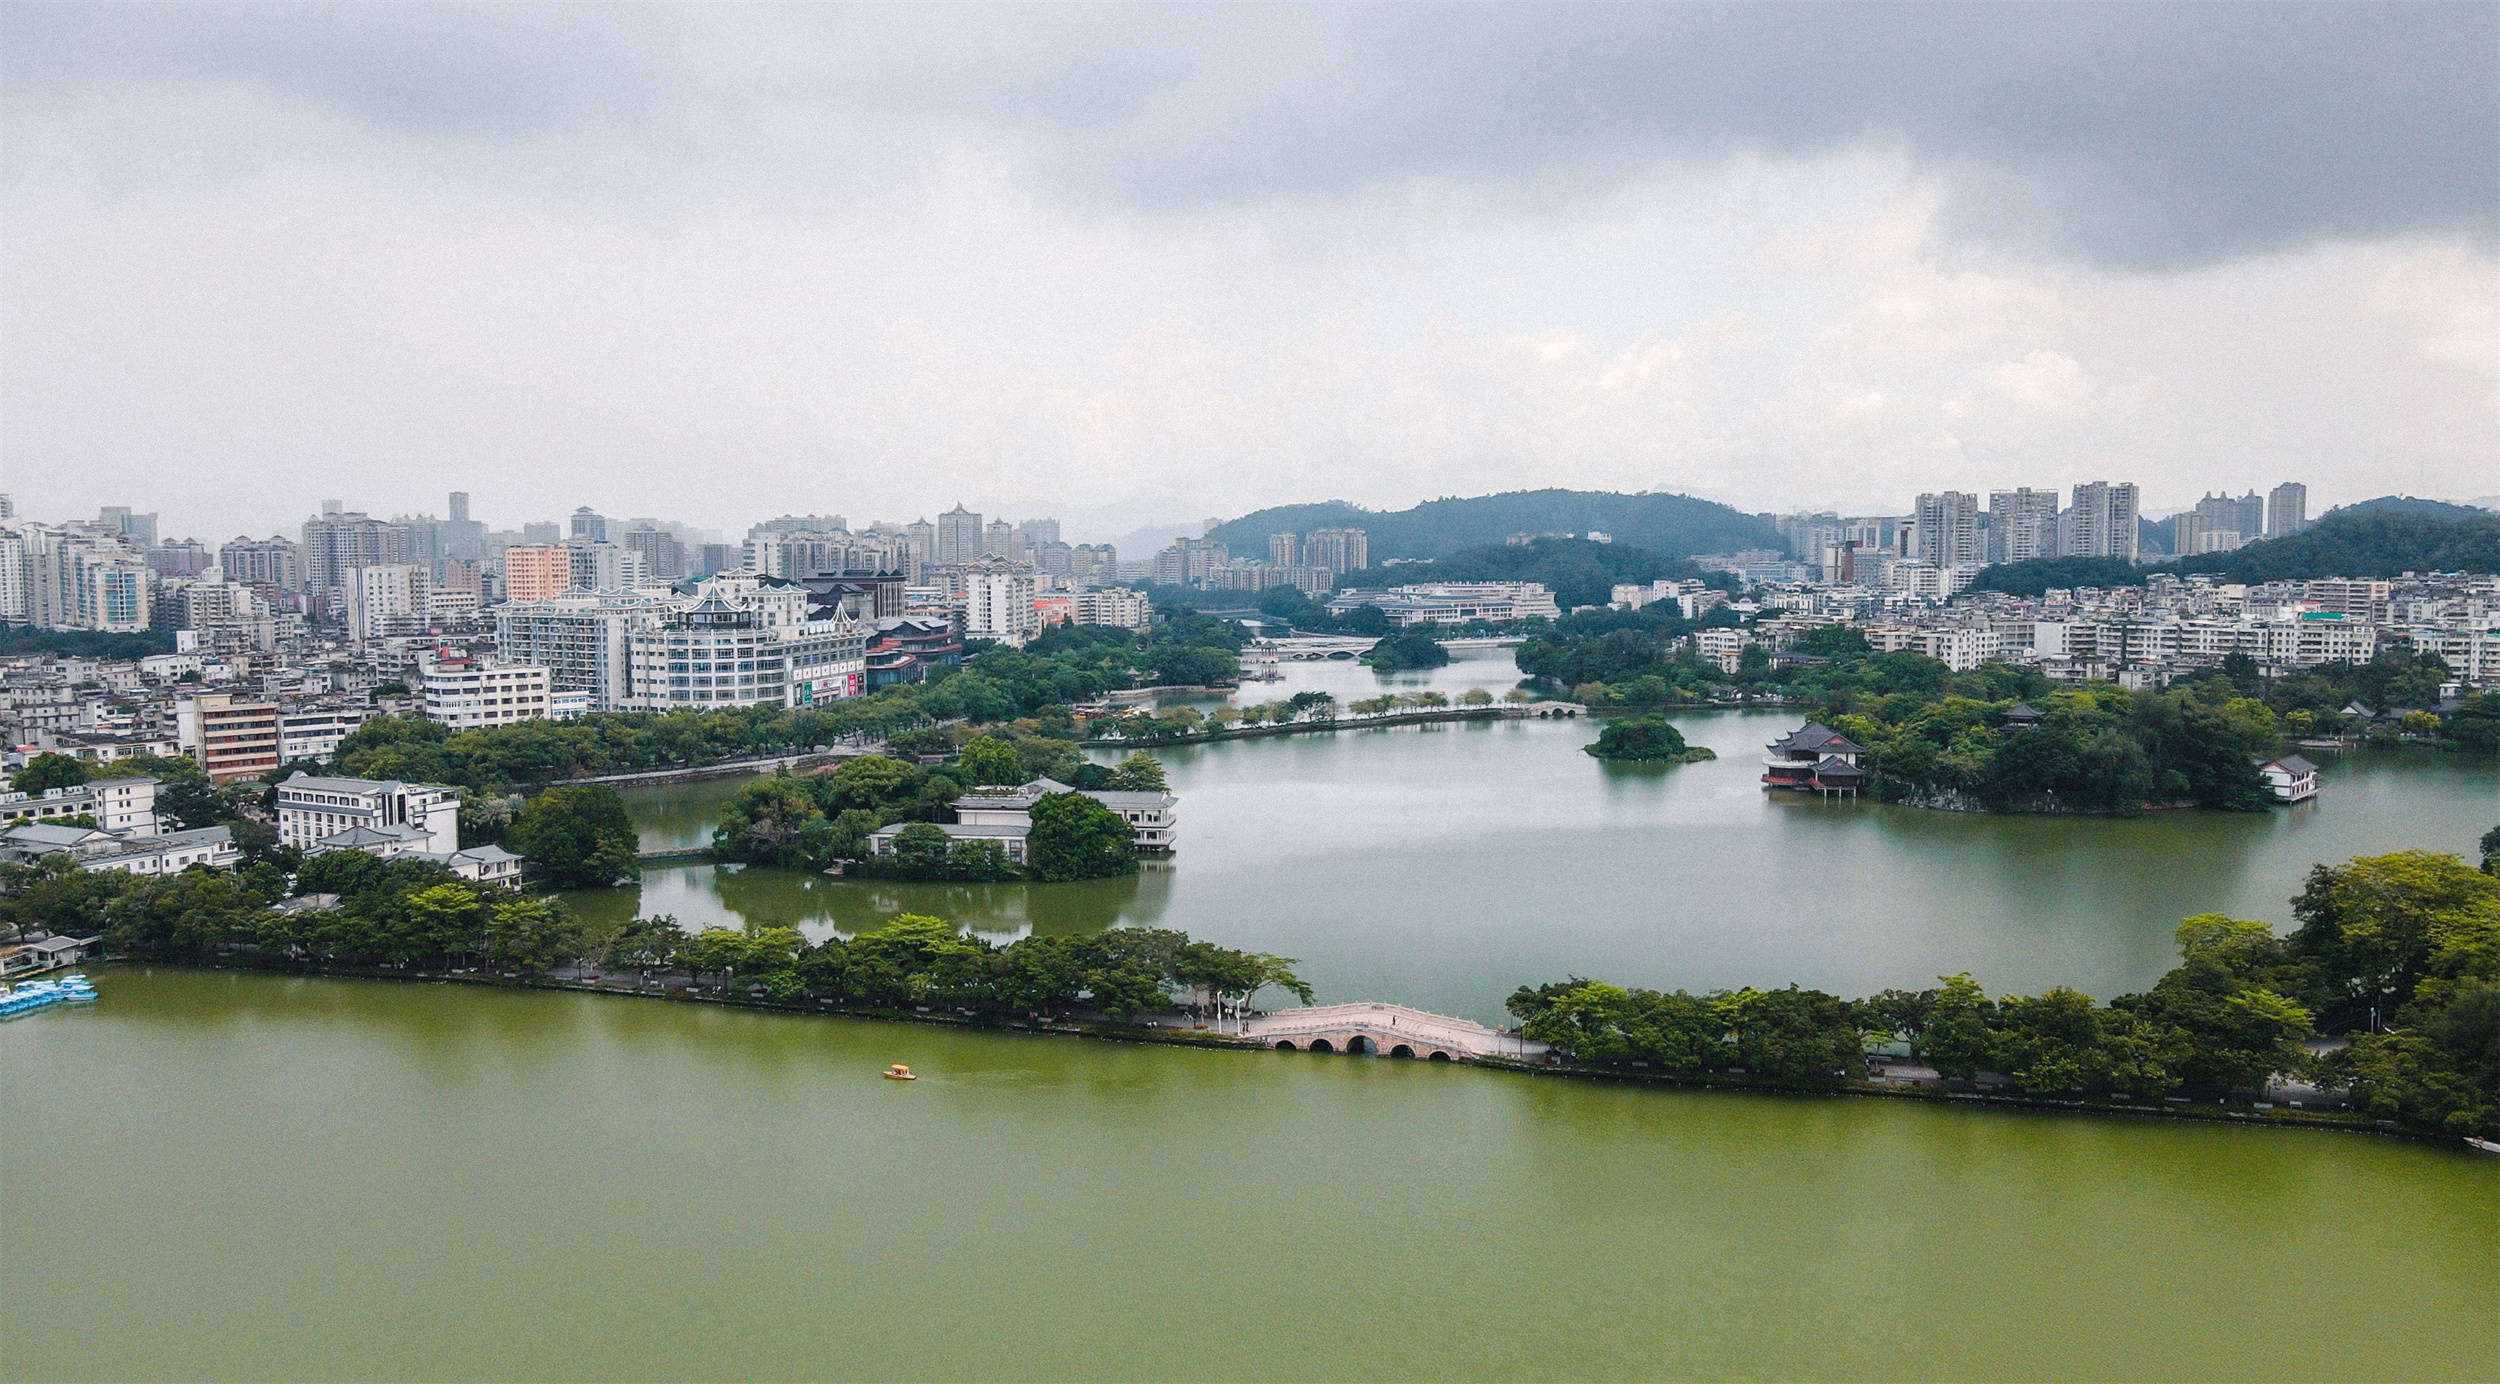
[(1578, 572), (2362, 543), (2407, 504), (1671, 526), (2356, 542)]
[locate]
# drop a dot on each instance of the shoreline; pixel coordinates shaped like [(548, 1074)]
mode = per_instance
[(689, 773), (1514, 711), (1210, 1040)]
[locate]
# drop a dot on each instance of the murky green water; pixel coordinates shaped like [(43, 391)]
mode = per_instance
[(1442, 866), (213, 1176)]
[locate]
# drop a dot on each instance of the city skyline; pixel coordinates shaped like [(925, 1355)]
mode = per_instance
[(1779, 257)]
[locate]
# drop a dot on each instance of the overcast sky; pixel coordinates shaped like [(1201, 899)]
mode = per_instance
[(722, 262)]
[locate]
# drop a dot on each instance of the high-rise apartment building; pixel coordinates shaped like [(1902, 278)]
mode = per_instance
[(580, 638), (1000, 539), (274, 563), (1189, 561), (1039, 531), (337, 544), (1094, 564), (589, 526), (2287, 509), (959, 537), (1337, 550), (802, 523), (2022, 524), (2194, 531), (2102, 521), (1284, 549), (385, 600), (537, 573), (2227, 522), (1947, 529), (663, 557), (76, 577), (998, 603), (606, 567), (139, 529)]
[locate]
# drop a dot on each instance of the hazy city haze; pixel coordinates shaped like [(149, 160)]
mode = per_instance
[(716, 263)]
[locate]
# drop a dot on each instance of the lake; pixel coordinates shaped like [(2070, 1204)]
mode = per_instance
[(230, 1176), (1442, 866)]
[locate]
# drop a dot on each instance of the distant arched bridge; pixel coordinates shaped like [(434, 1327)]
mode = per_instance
[(1385, 1030)]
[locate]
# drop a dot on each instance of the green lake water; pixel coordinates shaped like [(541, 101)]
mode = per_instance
[(211, 1175), (1442, 866), (214, 1176)]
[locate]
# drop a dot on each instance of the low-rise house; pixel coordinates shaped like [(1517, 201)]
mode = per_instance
[(1005, 815), (138, 853), (2291, 779), (47, 953)]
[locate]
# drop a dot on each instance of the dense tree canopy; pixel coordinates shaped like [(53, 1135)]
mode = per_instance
[(1579, 572), (1645, 739), (578, 836), (48, 771), (1075, 837), (1407, 649), (2400, 952)]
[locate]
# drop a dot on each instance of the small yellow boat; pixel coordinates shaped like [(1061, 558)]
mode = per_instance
[(898, 1072)]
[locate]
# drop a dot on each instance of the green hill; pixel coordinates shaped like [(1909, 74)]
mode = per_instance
[(2407, 504), (2362, 542), (1672, 526), (1577, 571)]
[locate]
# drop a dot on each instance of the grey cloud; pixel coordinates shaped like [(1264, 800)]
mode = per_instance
[(2132, 135)]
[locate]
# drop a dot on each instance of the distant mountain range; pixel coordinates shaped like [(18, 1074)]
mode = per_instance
[(1671, 526)]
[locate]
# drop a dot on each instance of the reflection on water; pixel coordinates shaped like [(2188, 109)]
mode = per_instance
[(701, 896), (1442, 865)]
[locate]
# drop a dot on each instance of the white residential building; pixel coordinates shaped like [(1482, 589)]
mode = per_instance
[(2102, 521), (582, 640), (314, 812), (73, 577), (132, 851), (1119, 605), (466, 696), (998, 604), (115, 804), (1945, 529), (314, 733), (745, 641), (383, 601)]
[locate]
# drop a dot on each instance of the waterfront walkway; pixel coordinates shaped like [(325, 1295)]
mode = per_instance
[(724, 768), (1385, 1030)]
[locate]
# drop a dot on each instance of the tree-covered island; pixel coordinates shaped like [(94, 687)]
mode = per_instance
[(1651, 739)]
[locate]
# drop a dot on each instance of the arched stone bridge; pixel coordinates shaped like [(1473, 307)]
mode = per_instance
[(1385, 1030)]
